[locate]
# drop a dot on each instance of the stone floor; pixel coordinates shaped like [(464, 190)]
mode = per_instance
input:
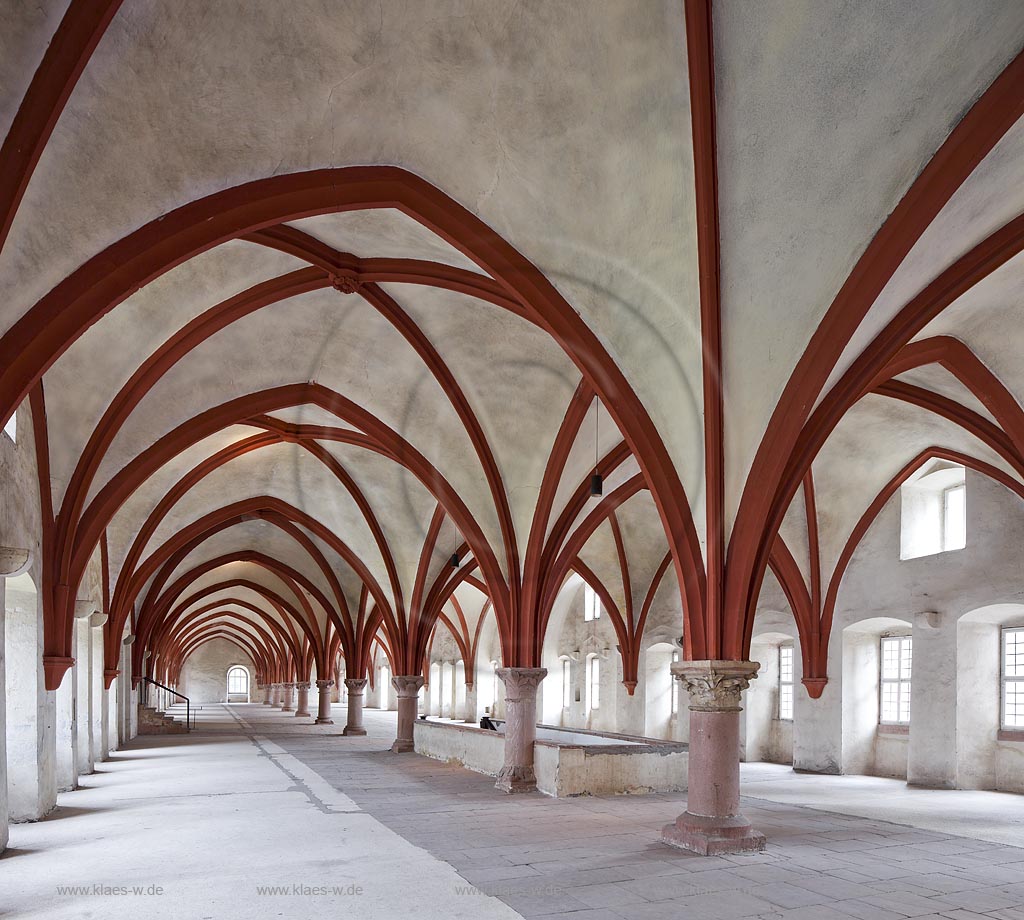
[(280, 802)]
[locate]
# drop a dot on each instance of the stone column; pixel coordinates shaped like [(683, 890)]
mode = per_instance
[(67, 731), (323, 714), (712, 823), (268, 694), (408, 689), (302, 707), (520, 727), (275, 697), (286, 695), (469, 707), (355, 687)]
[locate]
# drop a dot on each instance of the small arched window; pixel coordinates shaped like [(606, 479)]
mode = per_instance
[(594, 682), (238, 681)]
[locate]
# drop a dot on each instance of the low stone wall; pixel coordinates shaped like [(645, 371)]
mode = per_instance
[(634, 766), (474, 748), (570, 769)]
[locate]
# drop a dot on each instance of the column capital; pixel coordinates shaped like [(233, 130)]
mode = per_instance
[(715, 686), (520, 682), (289, 684), (355, 684), (407, 685), (324, 684), (302, 685)]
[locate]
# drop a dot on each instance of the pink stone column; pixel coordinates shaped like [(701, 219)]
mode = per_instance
[(355, 687), (408, 689), (712, 823), (520, 727), (275, 699), (302, 707), (267, 691), (323, 714), (286, 696)]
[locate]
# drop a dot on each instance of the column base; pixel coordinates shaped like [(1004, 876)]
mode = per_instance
[(286, 709), (299, 712), (402, 746), (320, 721), (711, 836), (516, 779), (267, 703), (354, 731)]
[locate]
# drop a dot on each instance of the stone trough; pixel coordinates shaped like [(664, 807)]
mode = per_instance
[(567, 761)]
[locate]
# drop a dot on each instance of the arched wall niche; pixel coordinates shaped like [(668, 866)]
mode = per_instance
[(866, 748), (987, 757), (766, 735)]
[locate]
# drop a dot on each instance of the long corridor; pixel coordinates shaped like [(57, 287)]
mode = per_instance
[(298, 821)]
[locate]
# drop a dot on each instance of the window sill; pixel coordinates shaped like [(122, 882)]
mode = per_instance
[(891, 729), (1010, 734)]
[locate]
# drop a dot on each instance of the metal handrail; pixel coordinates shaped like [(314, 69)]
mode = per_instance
[(188, 702)]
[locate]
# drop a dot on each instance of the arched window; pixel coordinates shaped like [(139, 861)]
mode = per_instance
[(238, 681), (566, 683), (593, 682), (591, 604)]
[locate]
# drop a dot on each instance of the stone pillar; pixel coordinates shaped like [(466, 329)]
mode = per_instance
[(323, 714), (520, 727), (275, 698), (67, 731), (408, 689), (83, 694), (302, 706), (268, 692), (99, 697), (286, 695), (469, 706), (712, 823), (355, 687)]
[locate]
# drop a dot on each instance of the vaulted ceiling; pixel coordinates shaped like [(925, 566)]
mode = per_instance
[(314, 296)]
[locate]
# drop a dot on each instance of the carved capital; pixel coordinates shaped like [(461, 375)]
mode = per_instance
[(324, 684), (355, 684), (289, 685), (521, 682), (407, 686), (302, 685), (715, 686)]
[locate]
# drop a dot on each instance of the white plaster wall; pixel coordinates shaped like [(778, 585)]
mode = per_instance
[(955, 698), (204, 677)]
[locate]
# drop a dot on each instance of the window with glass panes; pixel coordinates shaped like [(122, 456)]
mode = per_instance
[(591, 604), (594, 682), (954, 518), (1013, 678), (566, 684), (894, 703), (786, 682), (238, 680)]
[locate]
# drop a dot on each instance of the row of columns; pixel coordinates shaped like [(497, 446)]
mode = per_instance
[(279, 695), (712, 823)]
